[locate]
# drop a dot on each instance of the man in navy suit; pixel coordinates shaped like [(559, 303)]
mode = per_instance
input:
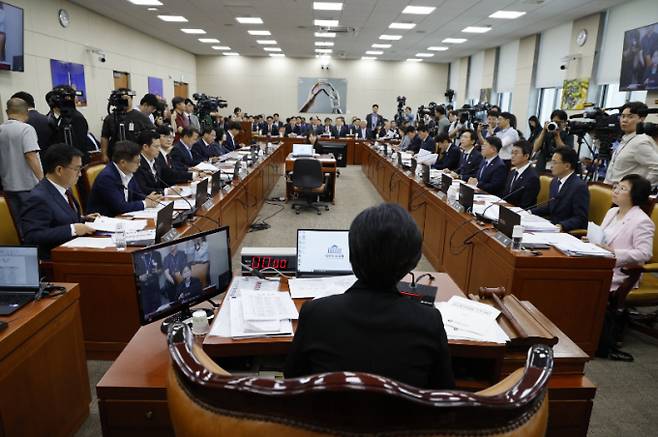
[(232, 130), (342, 130), (450, 154), (374, 120), (149, 173), (328, 129), (364, 131), (181, 155), (206, 147), (469, 162), (568, 204), (170, 175), (51, 215), (269, 128), (115, 190), (426, 140), (492, 173), (523, 177)]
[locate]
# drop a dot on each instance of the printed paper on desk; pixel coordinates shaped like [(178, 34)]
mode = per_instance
[(462, 324), (109, 224), (255, 283), (178, 192), (595, 233), (184, 204), (473, 307), (148, 213), (267, 305), (91, 242), (241, 329), (205, 166), (313, 288), (429, 159)]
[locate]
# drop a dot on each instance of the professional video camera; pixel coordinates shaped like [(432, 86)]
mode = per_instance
[(450, 94), (399, 116), (206, 105), (118, 101), (600, 125), (474, 115), (63, 97)]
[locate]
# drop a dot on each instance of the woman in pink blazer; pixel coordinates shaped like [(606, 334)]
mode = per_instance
[(627, 229)]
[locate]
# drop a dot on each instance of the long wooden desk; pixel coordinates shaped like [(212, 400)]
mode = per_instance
[(571, 291), (108, 298), (132, 394), (44, 386), (354, 145)]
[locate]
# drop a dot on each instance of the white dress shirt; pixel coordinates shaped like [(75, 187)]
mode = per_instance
[(125, 180), (562, 181)]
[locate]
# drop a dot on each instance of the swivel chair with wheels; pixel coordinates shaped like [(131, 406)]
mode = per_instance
[(309, 183)]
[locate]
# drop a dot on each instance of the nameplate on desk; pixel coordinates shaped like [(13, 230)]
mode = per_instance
[(454, 204), (170, 236), (441, 195), (503, 239), (207, 205)]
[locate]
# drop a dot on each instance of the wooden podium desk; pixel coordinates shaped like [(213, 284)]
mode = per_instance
[(132, 394), (44, 386), (571, 291), (328, 167), (108, 297), (354, 145)]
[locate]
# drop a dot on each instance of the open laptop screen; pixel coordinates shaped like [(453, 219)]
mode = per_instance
[(19, 268), (322, 252)]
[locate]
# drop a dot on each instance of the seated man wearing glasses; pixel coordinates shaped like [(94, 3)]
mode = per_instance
[(372, 327)]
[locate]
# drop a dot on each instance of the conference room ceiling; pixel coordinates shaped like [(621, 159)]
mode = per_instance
[(291, 24)]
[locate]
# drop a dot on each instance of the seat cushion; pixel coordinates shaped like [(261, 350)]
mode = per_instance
[(647, 293)]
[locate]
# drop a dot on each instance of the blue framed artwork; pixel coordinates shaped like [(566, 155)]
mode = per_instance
[(156, 86), (72, 74)]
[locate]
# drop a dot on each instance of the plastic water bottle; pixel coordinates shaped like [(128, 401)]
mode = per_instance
[(120, 237)]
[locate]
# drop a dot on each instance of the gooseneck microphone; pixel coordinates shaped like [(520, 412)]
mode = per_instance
[(482, 217)]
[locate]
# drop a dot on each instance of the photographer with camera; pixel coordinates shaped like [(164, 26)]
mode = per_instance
[(636, 153), (553, 135), (123, 122), (508, 136), (491, 128), (68, 124), (462, 123)]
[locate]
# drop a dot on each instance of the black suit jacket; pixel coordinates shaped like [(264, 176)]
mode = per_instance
[(270, 130), (375, 331), (344, 131), (230, 144), (369, 134), (449, 159), (526, 196), (469, 168), (47, 217), (79, 130), (44, 129), (380, 120), (181, 160), (415, 144), (148, 183), (491, 178), (170, 175), (204, 152), (429, 144), (570, 206), (322, 130)]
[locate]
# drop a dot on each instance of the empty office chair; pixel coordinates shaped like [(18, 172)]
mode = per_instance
[(600, 201), (89, 173), (8, 227), (308, 182), (204, 400)]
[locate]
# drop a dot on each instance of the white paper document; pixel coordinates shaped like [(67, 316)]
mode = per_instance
[(267, 305), (148, 213), (148, 234), (595, 233), (109, 224), (205, 166), (240, 328), (182, 204), (429, 159), (254, 283), (95, 243), (305, 288), (465, 319), (179, 192)]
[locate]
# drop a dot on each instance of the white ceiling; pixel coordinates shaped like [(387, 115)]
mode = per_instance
[(291, 24)]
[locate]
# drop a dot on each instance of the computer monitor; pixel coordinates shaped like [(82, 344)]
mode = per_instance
[(425, 173), (507, 219), (323, 252), (466, 194), (302, 150), (19, 268), (163, 221), (446, 181), (201, 194), (171, 277), (215, 183)]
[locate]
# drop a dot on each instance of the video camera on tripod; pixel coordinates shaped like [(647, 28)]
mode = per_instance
[(206, 105), (599, 124), (62, 97), (399, 116), (118, 100)]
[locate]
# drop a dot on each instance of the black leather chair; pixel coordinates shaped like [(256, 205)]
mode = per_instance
[(308, 182)]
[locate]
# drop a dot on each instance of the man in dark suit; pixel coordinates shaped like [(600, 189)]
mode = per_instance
[(372, 327), (411, 141), (469, 162), (38, 121), (342, 130), (292, 128), (426, 140), (115, 190), (269, 128), (51, 215), (374, 120), (232, 131), (492, 173), (170, 175), (364, 131), (523, 177), (189, 286), (181, 155), (206, 147), (450, 154), (149, 173), (148, 268), (568, 204), (174, 263), (328, 129)]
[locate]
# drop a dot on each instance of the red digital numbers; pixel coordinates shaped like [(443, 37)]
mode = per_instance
[(258, 262)]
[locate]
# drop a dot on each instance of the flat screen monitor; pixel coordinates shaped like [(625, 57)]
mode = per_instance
[(466, 194), (201, 194), (11, 42), (323, 252), (446, 181), (163, 221), (174, 276), (507, 219), (302, 150), (639, 63), (215, 183), (19, 268)]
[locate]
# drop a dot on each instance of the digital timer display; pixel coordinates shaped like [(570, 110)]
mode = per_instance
[(263, 262)]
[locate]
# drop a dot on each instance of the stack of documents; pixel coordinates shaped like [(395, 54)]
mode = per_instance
[(466, 319), (205, 166), (148, 234), (95, 243), (313, 288), (179, 192), (148, 213), (426, 157), (565, 243), (535, 223), (109, 224), (184, 203)]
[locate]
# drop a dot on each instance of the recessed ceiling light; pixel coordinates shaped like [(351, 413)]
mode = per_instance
[(454, 40), (381, 46), (325, 34), (390, 37), (368, 58), (327, 6), (418, 10), (414, 60), (277, 55), (173, 18), (271, 49), (146, 2), (151, 9), (193, 31), (209, 40), (231, 54), (323, 51), (424, 55), (266, 41), (326, 23), (221, 47), (374, 52), (476, 29), (405, 26), (249, 20), (324, 43), (438, 48), (507, 15), (259, 32)]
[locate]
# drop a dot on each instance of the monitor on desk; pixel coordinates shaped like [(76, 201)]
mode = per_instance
[(201, 195), (19, 268), (171, 277), (323, 252), (446, 181), (302, 150), (466, 193), (507, 219)]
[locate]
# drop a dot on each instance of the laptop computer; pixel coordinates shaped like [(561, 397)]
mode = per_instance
[(466, 194), (19, 277), (507, 219), (322, 252), (300, 150)]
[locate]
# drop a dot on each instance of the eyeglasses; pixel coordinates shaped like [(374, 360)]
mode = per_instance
[(77, 170), (621, 188)]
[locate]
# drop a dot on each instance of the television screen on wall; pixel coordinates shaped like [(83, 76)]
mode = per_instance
[(639, 64), (11, 37)]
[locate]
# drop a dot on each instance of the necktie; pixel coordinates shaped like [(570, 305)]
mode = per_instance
[(559, 185), (516, 174), (167, 161), (482, 169), (69, 197)]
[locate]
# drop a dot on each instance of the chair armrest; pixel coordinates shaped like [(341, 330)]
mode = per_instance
[(578, 232), (650, 267), (504, 385)]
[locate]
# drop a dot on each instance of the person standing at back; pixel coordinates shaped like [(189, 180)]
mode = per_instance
[(20, 165), (38, 121), (372, 327)]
